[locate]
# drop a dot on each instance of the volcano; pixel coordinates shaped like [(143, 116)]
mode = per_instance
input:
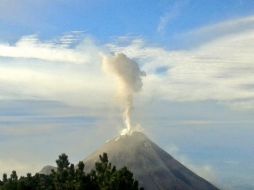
[(154, 168)]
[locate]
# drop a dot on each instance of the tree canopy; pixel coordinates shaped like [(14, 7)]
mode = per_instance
[(104, 176)]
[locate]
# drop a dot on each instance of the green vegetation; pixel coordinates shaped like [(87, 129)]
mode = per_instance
[(67, 177)]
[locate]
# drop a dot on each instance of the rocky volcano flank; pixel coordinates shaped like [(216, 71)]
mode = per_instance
[(154, 168)]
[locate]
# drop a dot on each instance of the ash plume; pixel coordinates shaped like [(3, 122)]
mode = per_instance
[(129, 81)]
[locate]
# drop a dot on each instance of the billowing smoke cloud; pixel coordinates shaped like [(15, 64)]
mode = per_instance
[(128, 75)]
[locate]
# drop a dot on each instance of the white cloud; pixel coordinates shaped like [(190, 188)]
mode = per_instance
[(219, 70), (212, 32), (31, 69), (224, 28), (167, 17), (170, 15), (29, 47)]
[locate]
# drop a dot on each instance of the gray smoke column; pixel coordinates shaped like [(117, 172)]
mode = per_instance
[(129, 81)]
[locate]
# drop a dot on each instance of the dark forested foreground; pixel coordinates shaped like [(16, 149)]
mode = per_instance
[(67, 177)]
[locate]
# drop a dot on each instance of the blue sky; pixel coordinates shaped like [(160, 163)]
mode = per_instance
[(106, 20), (198, 57)]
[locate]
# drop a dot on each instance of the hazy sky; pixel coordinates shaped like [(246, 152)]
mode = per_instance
[(197, 100)]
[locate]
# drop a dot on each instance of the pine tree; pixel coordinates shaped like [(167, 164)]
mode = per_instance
[(67, 177)]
